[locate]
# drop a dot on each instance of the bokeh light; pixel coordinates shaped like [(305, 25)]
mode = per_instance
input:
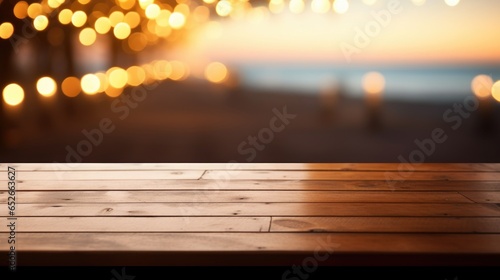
[(481, 86), (320, 6), (71, 86), (495, 91), (122, 30), (117, 77), (87, 36), (65, 16), (21, 10), (373, 83), (34, 10), (13, 94), (177, 20), (46, 86), (40, 22), (6, 30), (136, 75), (296, 6), (102, 25), (152, 11), (340, 6), (90, 84), (216, 72), (223, 8), (452, 3), (79, 18)]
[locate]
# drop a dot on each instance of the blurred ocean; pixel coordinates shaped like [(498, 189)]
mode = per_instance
[(419, 83)]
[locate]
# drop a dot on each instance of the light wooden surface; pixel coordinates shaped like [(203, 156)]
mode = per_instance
[(178, 214)]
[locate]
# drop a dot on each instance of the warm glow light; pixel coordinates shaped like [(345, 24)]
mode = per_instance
[(6, 30), (216, 72), (320, 6), (87, 36), (481, 86), (177, 20), (21, 10), (40, 22), (162, 19), (223, 8), (54, 4), (418, 2), (113, 92), (179, 70), (46, 86), (340, 6), (296, 6), (65, 16), (162, 69), (71, 86), (34, 10), (133, 19), (495, 91), (126, 4), (152, 11), (122, 30), (136, 75), (209, 1), (116, 17), (117, 77), (102, 25), (13, 94), (90, 84), (452, 3), (145, 3), (83, 2), (103, 81), (79, 18), (137, 41), (373, 83), (276, 6)]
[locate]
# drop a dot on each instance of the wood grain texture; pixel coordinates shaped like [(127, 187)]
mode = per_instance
[(185, 214), (205, 185), (287, 242), (386, 225), (235, 196), (258, 209), (483, 197), (347, 175), (107, 175), (142, 224)]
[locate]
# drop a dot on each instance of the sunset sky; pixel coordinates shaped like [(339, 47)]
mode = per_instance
[(431, 33)]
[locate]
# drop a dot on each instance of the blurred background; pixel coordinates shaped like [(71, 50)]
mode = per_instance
[(250, 81)]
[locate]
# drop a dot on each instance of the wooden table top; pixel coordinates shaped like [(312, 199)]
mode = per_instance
[(259, 214)]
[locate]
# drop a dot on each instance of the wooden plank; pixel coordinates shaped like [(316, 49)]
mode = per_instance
[(108, 175), (350, 175), (235, 196), (385, 224), (141, 224), (463, 167), (223, 184), (260, 242), (259, 209), (483, 197)]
